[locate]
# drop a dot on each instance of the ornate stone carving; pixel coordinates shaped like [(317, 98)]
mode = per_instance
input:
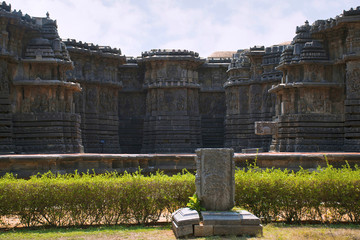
[(266, 128), (353, 80)]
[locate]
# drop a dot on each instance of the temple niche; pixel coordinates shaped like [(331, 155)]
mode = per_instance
[(67, 96)]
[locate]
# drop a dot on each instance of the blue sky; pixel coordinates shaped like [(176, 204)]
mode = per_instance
[(204, 26)]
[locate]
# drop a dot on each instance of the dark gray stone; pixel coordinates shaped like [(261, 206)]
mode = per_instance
[(182, 231), (246, 218), (183, 221), (221, 218), (186, 216), (215, 182), (203, 230)]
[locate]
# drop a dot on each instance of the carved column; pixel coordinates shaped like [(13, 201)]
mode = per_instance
[(251, 74), (352, 102), (237, 103), (172, 121), (6, 124), (96, 69)]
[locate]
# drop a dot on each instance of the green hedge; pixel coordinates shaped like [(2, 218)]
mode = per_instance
[(328, 195), (87, 199)]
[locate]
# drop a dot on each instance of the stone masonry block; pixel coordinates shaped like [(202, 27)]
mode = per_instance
[(220, 218), (215, 183), (247, 218), (182, 231), (203, 230)]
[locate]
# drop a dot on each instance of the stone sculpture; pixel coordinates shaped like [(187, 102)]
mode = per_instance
[(215, 188)]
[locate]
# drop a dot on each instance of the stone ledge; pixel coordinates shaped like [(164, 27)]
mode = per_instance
[(169, 163)]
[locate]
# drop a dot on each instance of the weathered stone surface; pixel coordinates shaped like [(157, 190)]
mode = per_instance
[(246, 218), (232, 222), (229, 218), (265, 128), (172, 120), (203, 230), (183, 221), (182, 231), (215, 182), (186, 216), (252, 150), (25, 165), (221, 218)]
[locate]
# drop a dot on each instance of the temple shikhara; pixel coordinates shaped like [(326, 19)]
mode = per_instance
[(67, 96)]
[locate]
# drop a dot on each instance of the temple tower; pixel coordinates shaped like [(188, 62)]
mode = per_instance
[(44, 118), (309, 107), (172, 121), (351, 52), (251, 74)]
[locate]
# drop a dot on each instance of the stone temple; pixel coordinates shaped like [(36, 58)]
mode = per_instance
[(66, 96)]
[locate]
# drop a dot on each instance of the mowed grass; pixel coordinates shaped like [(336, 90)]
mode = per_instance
[(271, 231)]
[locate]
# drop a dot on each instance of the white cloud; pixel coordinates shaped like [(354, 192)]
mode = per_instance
[(204, 26)]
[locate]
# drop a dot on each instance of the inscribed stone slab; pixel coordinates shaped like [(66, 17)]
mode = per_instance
[(215, 183)]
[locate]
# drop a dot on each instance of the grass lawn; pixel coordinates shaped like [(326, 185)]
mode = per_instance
[(271, 231)]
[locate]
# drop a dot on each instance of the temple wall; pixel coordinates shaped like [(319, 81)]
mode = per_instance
[(37, 105), (97, 71), (65, 96)]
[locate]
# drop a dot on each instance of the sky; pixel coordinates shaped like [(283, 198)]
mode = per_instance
[(203, 26)]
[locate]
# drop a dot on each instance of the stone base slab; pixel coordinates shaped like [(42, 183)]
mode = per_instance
[(182, 231), (203, 230), (187, 222), (183, 221)]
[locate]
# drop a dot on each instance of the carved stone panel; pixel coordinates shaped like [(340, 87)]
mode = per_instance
[(353, 79), (255, 94), (266, 128), (215, 182)]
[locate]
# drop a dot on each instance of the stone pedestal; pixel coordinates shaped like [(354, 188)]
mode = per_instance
[(228, 223)]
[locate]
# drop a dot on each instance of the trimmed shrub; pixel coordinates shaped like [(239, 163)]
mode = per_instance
[(87, 199), (327, 195)]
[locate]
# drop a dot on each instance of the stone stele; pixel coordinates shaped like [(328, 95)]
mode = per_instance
[(215, 187), (215, 182)]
